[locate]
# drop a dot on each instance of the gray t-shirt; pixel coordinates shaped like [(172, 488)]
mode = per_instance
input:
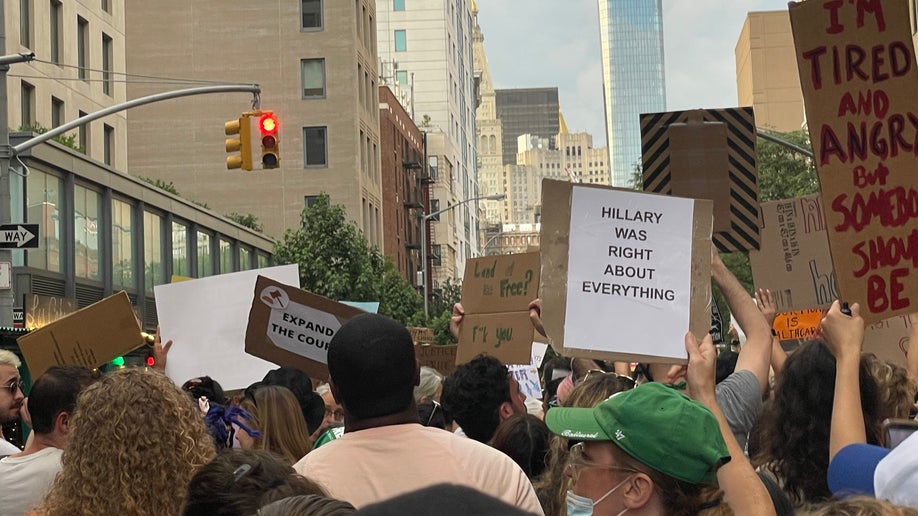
[(740, 399), (26, 480)]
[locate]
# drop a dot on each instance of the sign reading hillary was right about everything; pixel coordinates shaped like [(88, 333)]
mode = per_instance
[(638, 271), (857, 68)]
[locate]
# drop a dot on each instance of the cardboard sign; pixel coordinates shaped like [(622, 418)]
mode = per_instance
[(421, 335), (624, 273), (441, 358), (496, 292), (707, 154), (794, 261), (860, 84), (89, 337), (717, 325), (292, 327), (889, 339), (206, 319), (801, 324), (41, 311)]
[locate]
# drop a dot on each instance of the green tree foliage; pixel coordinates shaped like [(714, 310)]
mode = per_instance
[(162, 185), (336, 261), (783, 172), (248, 220), (67, 140)]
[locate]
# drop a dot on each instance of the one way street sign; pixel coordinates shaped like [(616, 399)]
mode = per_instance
[(14, 236)]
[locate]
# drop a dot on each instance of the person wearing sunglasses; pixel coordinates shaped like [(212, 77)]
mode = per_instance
[(11, 396)]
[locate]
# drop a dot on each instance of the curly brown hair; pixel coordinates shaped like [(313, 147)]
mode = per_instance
[(135, 441)]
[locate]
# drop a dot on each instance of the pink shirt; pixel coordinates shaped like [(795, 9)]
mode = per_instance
[(376, 464)]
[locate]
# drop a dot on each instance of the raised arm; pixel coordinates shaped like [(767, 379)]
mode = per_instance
[(756, 354), (766, 303), (844, 335), (743, 490)]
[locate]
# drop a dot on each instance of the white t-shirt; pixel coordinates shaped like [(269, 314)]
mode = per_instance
[(8, 448), (376, 464), (26, 480)]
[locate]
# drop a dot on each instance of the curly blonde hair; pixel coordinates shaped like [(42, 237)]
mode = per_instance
[(135, 442), (895, 391)]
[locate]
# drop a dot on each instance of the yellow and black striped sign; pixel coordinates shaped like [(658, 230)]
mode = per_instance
[(715, 158)]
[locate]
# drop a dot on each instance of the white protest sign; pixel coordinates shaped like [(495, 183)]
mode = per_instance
[(528, 378), (538, 353), (629, 273), (300, 329), (206, 319)]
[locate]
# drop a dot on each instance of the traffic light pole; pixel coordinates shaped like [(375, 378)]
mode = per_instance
[(7, 153)]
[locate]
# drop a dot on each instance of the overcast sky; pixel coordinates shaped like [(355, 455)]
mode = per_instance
[(538, 43)]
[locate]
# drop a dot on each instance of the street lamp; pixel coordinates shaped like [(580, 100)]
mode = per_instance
[(424, 221)]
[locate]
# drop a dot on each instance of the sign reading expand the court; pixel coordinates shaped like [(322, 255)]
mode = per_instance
[(857, 68)]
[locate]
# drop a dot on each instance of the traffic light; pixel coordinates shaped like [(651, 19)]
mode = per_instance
[(270, 140), (242, 130)]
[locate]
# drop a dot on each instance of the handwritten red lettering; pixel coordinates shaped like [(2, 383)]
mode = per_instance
[(893, 208), (854, 63), (883, 139), (886, 252), (868, 102), (878, 300)]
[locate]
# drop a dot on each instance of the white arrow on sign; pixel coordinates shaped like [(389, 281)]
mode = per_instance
[(20, 237)]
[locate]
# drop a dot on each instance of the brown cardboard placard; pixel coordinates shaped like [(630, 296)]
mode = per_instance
[(794, 261), (707, 154), (645, 296), (856, 62), (88, 337), (421, 335), (292, 327), (441, 358), (41, 311), (889, 339), (496, 293)]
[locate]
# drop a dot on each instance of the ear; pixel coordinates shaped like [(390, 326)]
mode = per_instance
[(62, 422), (639, 491), (505, 410)]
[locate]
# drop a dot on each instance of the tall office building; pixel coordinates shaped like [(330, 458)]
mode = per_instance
[(631, 36), (428, 46), (527, 111), (490, 130), (316, 64)]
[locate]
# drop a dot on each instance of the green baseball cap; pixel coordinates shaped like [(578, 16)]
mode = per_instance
[(660, 427)]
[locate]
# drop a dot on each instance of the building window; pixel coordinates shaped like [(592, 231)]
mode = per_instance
[(25, 23), (107, 6), (435, 207), (262, 260), (401, 41), (153, 252), (401, 77), (312, 14), (180, 265), (55, 31), (28, 104), (84, 135), (435, 258), (432, 167), (315, 150), (106, 64), (108, 142), (122, 245), (313, 78), (398, 5), (57, 112), (82, 48), (87, 210), (245, 258), (205, 256), (226, 256), (44, 198), (310, 200)]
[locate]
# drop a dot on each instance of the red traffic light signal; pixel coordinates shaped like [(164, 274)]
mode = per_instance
[(270, 152)]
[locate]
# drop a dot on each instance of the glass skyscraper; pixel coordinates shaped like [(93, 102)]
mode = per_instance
[(631, 35)]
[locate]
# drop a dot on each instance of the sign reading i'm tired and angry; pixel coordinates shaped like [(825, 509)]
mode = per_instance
[(857, 68), (496, 293)]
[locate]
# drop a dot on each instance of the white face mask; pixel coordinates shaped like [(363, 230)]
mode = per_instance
[(582, 506)]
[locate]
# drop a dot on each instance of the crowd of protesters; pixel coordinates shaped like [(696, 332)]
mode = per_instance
[(758, 432)]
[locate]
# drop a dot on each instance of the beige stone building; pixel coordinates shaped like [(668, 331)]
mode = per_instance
[(79, 58), (766, 71), (316, 62)]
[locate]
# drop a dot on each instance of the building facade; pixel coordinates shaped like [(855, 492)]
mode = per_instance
[(631, 37), (428, 45), (511, 238), (490, 130), (404, 176), (526, 111), (316, 63)]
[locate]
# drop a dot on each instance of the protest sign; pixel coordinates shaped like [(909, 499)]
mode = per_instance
[(538, 353), (206, 319), (801, 324), (707, 154), (527, 376), (441, 358), (856, 63), (39, 311), (496, 293), (625, 273), (421, 335), (794, 260), (889, 339), (292, 327), (89, 337)]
